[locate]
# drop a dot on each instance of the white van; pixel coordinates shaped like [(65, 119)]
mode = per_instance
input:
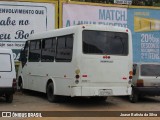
[(146, 80), (7, 75)]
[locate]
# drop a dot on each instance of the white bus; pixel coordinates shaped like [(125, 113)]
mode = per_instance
[(83, 60)]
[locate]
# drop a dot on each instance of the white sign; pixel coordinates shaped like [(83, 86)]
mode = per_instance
[(129, 2), (150, 46), (86, 14), (20, 19)]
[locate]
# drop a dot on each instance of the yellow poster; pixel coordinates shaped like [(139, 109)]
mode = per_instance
[(146, 24)]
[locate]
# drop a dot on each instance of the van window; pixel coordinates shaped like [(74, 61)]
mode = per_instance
[(5, 63), (150, 70), (105, 42)]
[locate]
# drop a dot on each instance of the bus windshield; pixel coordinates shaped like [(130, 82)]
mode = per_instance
[(150, 70), (105, 42)]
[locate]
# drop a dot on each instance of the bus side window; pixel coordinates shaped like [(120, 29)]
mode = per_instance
[(48, 49), (64, 48), (35, 51)]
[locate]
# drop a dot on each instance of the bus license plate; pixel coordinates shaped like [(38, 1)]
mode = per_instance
[(105, 92)]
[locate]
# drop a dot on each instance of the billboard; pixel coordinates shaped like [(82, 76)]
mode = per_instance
[(74, 14), (20, 19), (142, 21), (145, 26)]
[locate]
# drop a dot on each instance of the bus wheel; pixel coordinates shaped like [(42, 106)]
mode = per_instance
[(50, 93), (9, 98), (133, 97)]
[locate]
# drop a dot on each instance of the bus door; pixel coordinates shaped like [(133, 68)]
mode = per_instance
[(24, 64), (34, 65)]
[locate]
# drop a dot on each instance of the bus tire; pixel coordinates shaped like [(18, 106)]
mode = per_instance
[(9, 98), (50, 93), (133, 97)]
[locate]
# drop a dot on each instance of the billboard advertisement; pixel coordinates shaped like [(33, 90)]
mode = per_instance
[(143, 22), (74, 14), (21, 19), (145, 27)]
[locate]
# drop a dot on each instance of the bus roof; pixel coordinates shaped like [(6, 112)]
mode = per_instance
[(55, 32)]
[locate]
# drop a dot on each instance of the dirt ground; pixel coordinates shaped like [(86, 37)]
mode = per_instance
[(33, 101)]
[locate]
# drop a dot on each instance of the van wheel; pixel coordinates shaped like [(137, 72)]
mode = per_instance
[(50, 93), (9, 98), (133, 97)]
